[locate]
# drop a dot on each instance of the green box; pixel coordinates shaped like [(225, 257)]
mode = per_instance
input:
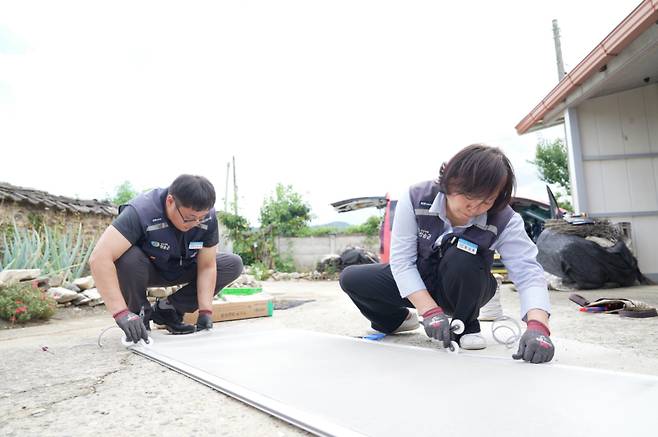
[(241, 291)]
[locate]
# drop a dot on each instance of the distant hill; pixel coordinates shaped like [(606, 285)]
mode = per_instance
[(336, 225)]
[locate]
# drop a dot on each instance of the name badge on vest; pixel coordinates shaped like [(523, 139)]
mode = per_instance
[(467, 246), (196, 245)]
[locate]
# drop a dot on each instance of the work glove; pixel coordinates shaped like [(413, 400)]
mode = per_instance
[(132, 325), (535, 345), (437, 325), (204, 321)]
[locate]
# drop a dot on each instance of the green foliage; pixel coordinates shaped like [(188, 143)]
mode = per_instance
[(243, 238), (285, 213), (22, 302), (552, 165), (369, 228), (49, 249), (320, 231), (124, 193), (260, 271), (284, 263)]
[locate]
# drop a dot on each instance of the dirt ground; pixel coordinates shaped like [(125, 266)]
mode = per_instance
[(56, 380)]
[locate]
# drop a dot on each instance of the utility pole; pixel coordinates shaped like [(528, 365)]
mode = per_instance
[(235, 190), (572, 136), (228, 169), (558, 51)]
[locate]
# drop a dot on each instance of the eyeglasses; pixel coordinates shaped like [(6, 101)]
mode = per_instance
[(185, 220)]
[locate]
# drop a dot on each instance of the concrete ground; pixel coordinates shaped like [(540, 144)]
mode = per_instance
[(55, 380)]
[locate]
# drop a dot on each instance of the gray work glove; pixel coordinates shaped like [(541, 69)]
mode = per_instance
[(437, 325), (132, 325), (204, 321), (535, 345)]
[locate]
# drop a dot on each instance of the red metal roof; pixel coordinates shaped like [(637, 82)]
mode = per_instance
[(643, 17)]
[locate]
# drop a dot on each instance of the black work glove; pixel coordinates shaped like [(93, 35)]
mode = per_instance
[(535, 345), (204, 321), (437, 325), (132, 325)]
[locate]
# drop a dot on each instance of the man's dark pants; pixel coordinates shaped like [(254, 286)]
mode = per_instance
[(136, 273), (464, 284)]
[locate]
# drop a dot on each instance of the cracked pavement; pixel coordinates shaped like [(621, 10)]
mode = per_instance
[(56, 381)]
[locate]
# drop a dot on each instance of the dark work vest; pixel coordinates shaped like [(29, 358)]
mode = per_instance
[(169, 249), (430, 227)]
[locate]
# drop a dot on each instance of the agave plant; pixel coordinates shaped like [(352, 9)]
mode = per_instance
[(21, 249), (53, 251), (66, 252)]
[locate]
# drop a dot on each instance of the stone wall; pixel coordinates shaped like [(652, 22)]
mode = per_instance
[(31, 216)]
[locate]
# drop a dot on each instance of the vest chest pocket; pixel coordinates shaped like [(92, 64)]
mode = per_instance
[(159, 251)]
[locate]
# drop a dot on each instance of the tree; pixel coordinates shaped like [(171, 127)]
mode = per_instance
[(243, 237), (124, 193), (553, 168), (285, 213)]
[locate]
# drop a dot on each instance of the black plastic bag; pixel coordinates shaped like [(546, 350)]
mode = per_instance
[(585, 264)]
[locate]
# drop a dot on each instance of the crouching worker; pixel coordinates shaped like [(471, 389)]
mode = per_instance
[(442, 243), (164, 237)]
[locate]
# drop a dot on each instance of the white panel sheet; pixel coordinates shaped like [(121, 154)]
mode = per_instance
[(642, 184), (594, 186), (589, 135), (651, 105), (616, 192), (635, 134), (333, 385), (609, 125)]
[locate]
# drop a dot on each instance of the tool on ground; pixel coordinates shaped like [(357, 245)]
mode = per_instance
[(623, 307), (456, 328)]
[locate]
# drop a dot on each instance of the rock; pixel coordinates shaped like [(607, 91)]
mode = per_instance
[(62, 295), (158, 291), (42, 283), (72, 287), (9, 276), (94, 296), (81, 299), (245, 281), (84, 283), (57, 280)]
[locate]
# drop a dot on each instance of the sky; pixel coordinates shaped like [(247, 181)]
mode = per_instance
[(340, 98)]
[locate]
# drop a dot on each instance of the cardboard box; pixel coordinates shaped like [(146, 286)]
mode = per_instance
[(231, 307)]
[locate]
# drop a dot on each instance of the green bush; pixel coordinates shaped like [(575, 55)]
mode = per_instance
[(22, 302), (260, 271), (370, 227), (320, 231)]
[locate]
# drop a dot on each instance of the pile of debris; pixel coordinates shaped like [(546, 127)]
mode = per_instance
[(80, 292), (349, 257), (587, 255)]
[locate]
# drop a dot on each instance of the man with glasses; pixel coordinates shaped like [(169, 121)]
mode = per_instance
[(167, 236)]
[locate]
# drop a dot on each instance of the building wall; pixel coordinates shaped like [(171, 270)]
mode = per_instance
[(306, 252), (619, 139)]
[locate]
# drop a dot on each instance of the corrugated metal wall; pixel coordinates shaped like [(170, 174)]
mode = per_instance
[(619, 137)]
